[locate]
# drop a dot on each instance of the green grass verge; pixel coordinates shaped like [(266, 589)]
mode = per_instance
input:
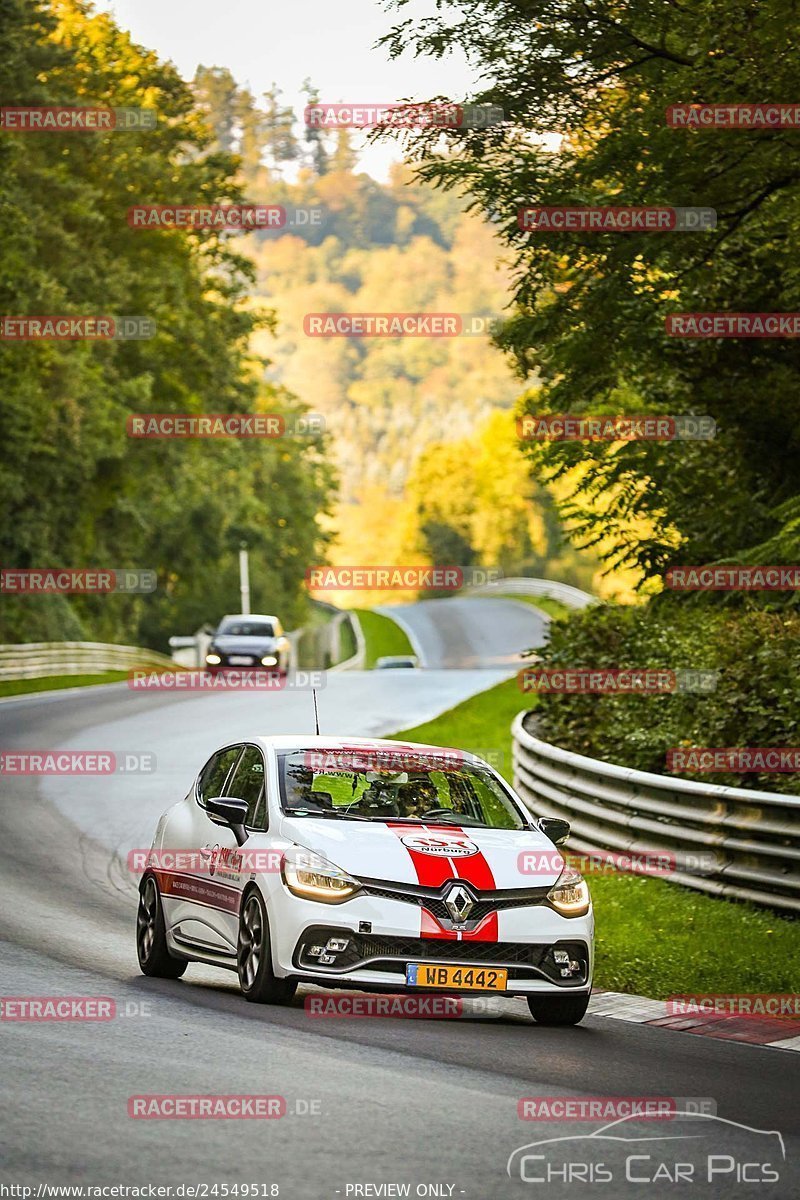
[(50, 683), (382, 635), (481, 725), (553, 608), (653, 938)]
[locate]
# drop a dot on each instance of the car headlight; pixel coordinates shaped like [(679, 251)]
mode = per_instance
[(314, 877), (570, 894), (213, 659), (268, 660)]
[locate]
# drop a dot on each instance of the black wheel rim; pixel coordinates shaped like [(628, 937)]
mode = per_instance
[(251, 942), (146, 919)]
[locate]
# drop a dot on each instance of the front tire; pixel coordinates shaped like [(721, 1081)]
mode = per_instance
[(151, 936), (258, 981), (559, 1010)]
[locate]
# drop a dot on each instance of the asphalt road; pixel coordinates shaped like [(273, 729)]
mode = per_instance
[(370, 1102), (460, 633)]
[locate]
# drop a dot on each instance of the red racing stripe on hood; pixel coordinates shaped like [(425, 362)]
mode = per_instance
[(431, 872), (476, 870), (434, 870)]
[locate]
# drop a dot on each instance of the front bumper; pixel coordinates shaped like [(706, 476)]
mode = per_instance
[(387, 957), (255, 664), (383, 935)]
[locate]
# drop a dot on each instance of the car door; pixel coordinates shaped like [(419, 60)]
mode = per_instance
[(231, 866), (200, 903)]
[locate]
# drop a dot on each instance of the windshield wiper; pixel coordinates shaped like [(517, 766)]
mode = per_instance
[(324, 812), (440, 820), (470, 822)]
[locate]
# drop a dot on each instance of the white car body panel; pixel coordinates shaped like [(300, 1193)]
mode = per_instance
[(201, 909)]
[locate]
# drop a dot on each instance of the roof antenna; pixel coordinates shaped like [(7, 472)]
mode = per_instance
[(316, 711)]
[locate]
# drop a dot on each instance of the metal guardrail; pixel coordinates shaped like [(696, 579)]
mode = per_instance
[(571, 596), (36, 660), (357, 661), (726, 841), (320, 647)]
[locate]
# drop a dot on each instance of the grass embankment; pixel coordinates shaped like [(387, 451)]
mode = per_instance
[(382, 636), (653, 938), (553, 608), (51, 683)]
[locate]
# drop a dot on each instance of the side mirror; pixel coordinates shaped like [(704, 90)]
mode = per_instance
[(228, 810), (555, 829)]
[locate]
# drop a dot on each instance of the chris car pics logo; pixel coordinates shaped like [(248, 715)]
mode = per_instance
[(699, 1149)]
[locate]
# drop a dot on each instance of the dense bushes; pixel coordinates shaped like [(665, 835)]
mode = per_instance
[(756, 701)]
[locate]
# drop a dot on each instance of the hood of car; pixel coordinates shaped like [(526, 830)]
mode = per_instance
[(430, 855), (230, 644)]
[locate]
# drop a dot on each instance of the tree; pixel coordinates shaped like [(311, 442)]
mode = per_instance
[(474, 503), (218, 94), (75, 489), (590, 307), (314, 136), (280, 143)]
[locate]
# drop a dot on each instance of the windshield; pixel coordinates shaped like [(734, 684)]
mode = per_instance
[(383, 785), (239, 628)]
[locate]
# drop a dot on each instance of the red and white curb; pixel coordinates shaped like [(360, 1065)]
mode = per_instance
[(758, 1031)]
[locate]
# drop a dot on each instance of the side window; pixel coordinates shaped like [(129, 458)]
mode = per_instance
[(248, 784), (215, 772)]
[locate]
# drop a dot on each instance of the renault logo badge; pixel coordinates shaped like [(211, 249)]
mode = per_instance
[(459, 904)]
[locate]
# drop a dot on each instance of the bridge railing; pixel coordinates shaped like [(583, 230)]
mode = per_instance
[(571, 596)]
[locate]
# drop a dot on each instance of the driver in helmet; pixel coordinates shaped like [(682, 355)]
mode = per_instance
[(420, 797)]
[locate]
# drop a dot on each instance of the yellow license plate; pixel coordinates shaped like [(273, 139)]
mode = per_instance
[(463, 979)]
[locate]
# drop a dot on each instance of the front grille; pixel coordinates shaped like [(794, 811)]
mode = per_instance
[(432, 899), (445, 950)]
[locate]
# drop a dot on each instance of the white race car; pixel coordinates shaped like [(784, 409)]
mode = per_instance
[(267, 867)]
